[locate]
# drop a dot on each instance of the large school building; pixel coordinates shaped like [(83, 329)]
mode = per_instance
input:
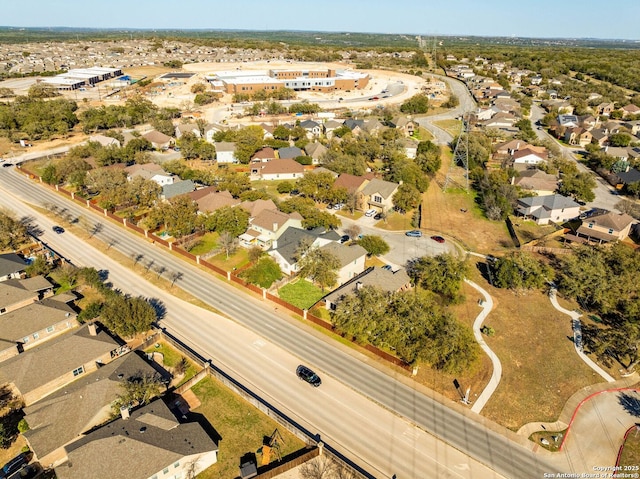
[(76, 78), (329, 80)]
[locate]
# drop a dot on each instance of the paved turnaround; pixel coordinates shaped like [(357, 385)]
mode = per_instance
[(351, 411)]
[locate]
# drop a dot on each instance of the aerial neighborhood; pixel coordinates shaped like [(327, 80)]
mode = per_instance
[(183, 220)]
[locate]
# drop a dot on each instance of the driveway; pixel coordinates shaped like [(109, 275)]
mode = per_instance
[(598, 427)]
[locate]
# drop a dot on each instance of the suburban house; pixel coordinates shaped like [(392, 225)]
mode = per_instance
[(215, 200), (277, 170), (151, 171), (577, 136), (17, 293), (35, 323), (105, 141), (225, 152), (617, 152), (536, 181), (606, 228), (510, 147), (405, 125), (546, 209), (629, 110), (11, 266), (568, 121), (75, 409), (410, 147), (51, 365), (284, 249), (158, 140), (256, 207), (627, 177), (351, 259), (330, 126), (289, 153), (316, 151), (356, 126), (386, 280), (530, 155), (186, 128), (178, 188), (149, 442), (378, 195), (604, 109), (268, 226), (313, 128), (600, 136), (263, 155)]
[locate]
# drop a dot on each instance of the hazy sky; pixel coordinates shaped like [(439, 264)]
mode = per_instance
[(534, 18)]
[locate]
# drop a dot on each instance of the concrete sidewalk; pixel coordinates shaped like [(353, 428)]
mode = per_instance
[(577, 336), (492, 385)]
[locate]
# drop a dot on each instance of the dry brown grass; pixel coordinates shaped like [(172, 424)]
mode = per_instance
[(13, 450), (443, 212), (540, 368), (150, 71)]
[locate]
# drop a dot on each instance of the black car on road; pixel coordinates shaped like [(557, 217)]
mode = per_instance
[(306, 374), (58, 229)]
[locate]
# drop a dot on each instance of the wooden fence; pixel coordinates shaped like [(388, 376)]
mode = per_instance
[(230, 276)]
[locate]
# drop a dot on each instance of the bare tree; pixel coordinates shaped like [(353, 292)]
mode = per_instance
[(319, 468), (175, 277), (95, 229), (228, 243), (353, 231), (159, 270), (149, 265), (136, 257), (111, 242)]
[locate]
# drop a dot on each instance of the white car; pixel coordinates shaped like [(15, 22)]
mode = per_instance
[(338, 206), (370, 213)]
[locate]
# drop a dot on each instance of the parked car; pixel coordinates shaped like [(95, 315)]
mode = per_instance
[(58, 229), (414, 233), (370, 213), (438, 239), (306, 374), (338, 206), (387, 267), (6, 165), (378, 216), (13, 465), (344, 238)]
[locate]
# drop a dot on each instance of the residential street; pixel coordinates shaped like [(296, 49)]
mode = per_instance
[(363, 429)]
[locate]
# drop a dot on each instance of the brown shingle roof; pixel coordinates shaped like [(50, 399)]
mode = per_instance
[(282, 166), (350, 182), (615, 221), (270, 219), (215, 201)]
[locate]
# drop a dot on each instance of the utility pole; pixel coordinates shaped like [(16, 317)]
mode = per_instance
[(460, 155)]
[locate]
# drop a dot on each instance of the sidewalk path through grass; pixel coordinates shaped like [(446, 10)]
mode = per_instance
[(577, 336), (487, 305)]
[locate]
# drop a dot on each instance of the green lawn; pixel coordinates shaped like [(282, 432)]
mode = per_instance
[(237, 260), (396, 222), (241, 428), (208, 242), (452, 127), (301, 293), (171, 358)]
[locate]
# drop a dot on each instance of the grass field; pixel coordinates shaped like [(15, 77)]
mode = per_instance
[(452, 127), (456, 214), (171, 358), (208, 242), (240, 426), (301, 293), (631, 450), (540, 368)]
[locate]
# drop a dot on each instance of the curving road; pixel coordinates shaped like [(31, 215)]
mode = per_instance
[(380, 444)]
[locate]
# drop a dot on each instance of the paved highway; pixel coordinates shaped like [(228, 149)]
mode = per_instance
[(357, 424)]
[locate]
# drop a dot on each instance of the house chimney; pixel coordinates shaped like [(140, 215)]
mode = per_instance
[(124, 412), (93, 329), (275, 226), (358, 285)]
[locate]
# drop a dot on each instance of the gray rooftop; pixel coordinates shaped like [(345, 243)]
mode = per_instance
[(150, 440), (13, 292), (384, 188), (11, 263), (34, 317), (44, 363), (289, 152), (550, 202), (345, 254), (177, 189), (64, 415), (290, 239), (376, 277)]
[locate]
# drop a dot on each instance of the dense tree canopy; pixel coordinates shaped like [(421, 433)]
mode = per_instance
[(409, 322)]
